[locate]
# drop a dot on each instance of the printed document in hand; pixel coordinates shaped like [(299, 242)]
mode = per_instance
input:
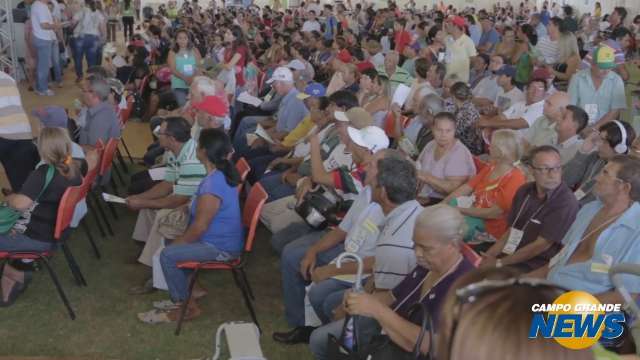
[(244, 97), (113, 198), (158, 173), (261, 132), (401, 95)]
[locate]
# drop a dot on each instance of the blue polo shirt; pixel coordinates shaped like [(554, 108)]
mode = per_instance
[(609, 96), (291, 111), (489, 37), (618, 243)]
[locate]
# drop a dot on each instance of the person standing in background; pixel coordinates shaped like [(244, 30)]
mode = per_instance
[(137, 6), (44, 42), (127, 18), (112, 11)]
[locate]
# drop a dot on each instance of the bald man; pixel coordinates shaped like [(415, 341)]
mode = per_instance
[(542, 132)]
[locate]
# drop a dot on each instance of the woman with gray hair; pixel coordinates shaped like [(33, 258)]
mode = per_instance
[(486, 198), (467, 117), (437, 235)]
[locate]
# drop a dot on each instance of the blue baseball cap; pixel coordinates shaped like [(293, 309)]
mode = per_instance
[(313, 89), (507, 70)]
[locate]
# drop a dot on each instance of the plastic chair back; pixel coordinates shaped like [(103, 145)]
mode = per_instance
[(125, 114), (66, 208), (243, 168), (90, 177), (107, 156), (251, 213), (471, 255)]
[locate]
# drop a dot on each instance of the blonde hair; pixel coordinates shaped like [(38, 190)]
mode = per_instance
[(54, 147), (567, 47), (500, 316), (444, 221), (508, 142)]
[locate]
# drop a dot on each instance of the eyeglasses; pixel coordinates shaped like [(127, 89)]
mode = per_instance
[(547, 170)]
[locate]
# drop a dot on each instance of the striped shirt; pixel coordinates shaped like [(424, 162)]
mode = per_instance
[(548, 49), (395, 257), (14, 124), (185, 171)]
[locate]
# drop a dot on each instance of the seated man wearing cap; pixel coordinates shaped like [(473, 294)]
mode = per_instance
[(310, 256), (521, 115), (181, 179), (283, 184), (508, 93), (294, 144), (599, 90), (291, 111)]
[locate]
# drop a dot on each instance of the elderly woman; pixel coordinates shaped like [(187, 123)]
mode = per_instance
[(467, 117), (437, 234), (38, 202), (486, 199), (445, 163), (596, 150), (215, 231)]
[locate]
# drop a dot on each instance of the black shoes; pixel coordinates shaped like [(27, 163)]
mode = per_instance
[(299, 335)]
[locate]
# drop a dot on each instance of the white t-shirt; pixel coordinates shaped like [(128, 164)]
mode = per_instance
[(90, 22), (310, 26), (40, 14), (505, 100), (530, 113), (549, 50)]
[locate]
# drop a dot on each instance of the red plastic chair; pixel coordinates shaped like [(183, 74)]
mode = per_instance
[(125, 115), (471, 255), (62, 231), (250, 216), (106, 164), (243, 169)]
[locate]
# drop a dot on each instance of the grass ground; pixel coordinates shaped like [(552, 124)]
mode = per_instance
[(106, 326)]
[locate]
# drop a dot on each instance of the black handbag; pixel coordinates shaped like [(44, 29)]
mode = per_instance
[(319, 208), (381, 347)]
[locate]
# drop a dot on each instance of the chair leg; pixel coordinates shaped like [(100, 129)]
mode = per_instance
[(56, 282), (246, 283), (92, 211), (247, 300), (185, 304), (126, 149), (73, 265), (87, 230), (102, 213), (121, 160), (110, 205)]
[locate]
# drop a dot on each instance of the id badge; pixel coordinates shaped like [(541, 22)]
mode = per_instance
[(592, 111), (188, 70), (579, 194), (515, 237), (600, 268)]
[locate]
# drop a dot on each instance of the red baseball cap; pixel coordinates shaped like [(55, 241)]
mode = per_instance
[(364, 66), (212, 105), (458, 21), (344, 55)]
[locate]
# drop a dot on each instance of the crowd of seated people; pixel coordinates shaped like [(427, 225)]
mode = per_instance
[(510, 131)]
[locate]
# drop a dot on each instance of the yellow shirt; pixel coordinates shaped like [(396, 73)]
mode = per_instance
[(298, 132)]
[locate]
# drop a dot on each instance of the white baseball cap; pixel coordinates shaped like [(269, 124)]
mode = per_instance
[(371, 137), (281, 74), (296, 65)]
